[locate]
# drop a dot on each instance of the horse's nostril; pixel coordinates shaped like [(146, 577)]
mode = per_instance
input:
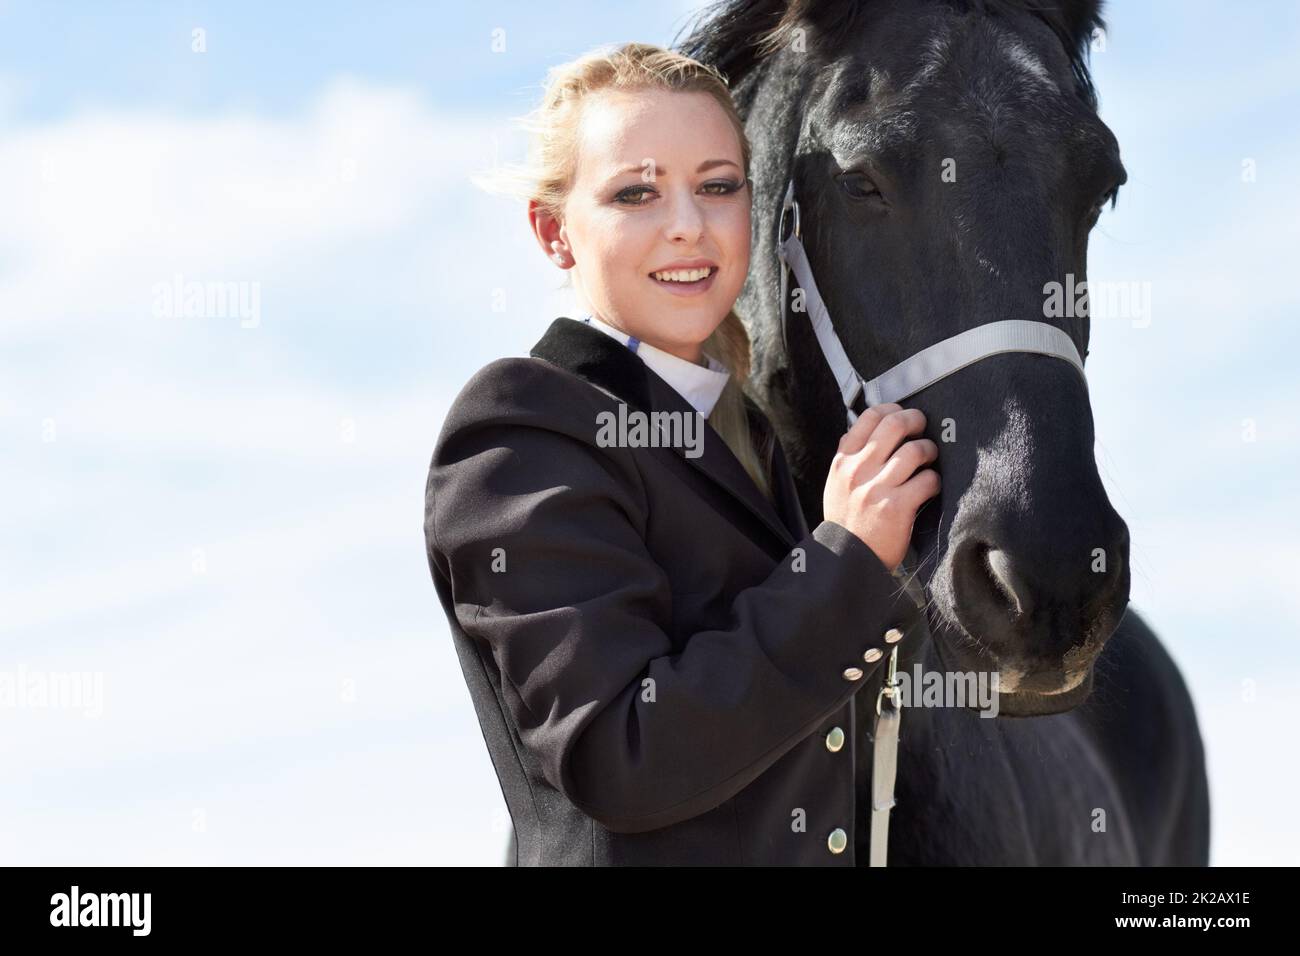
[(1008, 584)]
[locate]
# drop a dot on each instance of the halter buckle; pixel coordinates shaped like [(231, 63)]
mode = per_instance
[(788, 205)]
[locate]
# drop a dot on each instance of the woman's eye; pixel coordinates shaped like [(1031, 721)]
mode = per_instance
[(857, 186), (623, 195), (724, 187)]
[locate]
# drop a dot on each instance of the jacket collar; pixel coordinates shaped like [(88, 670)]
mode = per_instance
[(602, 361), (699, 384)]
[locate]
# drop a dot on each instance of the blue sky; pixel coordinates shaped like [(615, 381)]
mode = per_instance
[(223, 518)]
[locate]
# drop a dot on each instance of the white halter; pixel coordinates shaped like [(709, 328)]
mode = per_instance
[(925, 367)]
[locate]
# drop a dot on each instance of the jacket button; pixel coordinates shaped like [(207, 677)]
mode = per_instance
[(872, 655), (835, 740), (837, 841), (852, 673), (893, 636)]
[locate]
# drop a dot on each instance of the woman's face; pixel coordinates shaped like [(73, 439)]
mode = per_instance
[(659, 186)]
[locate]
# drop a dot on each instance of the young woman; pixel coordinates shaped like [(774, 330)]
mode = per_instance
[(662, 656)]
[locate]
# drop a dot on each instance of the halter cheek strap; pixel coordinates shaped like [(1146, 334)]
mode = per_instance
[(925, 367)]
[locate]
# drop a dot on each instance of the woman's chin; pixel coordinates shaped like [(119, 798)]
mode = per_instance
[(681, 324)]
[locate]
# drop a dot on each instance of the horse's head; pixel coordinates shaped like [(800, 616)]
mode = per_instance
[(950, 164)]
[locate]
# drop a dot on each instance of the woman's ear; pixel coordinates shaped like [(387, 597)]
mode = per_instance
[(549, 232)]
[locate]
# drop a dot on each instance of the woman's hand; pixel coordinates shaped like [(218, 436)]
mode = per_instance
[(878, 480)]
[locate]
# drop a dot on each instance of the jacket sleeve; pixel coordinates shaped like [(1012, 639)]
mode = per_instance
[(541, 534)]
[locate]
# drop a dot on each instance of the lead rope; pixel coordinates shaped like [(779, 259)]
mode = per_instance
[(889, 716), (884, 761)]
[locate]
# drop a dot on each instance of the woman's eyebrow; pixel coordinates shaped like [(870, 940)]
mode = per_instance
[(661, 171)]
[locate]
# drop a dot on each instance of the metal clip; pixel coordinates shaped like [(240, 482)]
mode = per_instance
[(890, 687)]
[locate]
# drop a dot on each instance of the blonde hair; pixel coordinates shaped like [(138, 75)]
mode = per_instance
[(548, 176)]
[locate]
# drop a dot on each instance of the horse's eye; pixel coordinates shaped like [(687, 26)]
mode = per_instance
[(858, 186), (1109, 197)]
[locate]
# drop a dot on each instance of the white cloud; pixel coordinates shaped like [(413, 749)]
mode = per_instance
[(296, 471), (103, 206)]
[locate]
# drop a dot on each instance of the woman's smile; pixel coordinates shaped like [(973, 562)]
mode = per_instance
[(685, 282)]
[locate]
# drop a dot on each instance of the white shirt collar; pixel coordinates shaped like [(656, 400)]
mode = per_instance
[(698, 385)]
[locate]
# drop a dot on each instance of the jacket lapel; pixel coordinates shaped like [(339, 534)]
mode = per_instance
[(604, 362), (784, 490)]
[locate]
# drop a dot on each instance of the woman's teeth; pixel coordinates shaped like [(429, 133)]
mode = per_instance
[(682, 275)]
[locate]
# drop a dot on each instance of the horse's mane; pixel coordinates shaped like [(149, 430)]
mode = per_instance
[(736, 36)]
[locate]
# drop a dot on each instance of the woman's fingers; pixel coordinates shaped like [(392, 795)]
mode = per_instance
[(892, 431), (904, 463), (852, 440), (919, 489)]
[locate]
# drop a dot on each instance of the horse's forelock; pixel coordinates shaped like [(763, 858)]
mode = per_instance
[(737, 36)]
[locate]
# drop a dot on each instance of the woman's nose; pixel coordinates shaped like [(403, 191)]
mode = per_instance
[(685, 218)]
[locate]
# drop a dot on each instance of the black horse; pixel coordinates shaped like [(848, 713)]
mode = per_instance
[(950, 164)]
